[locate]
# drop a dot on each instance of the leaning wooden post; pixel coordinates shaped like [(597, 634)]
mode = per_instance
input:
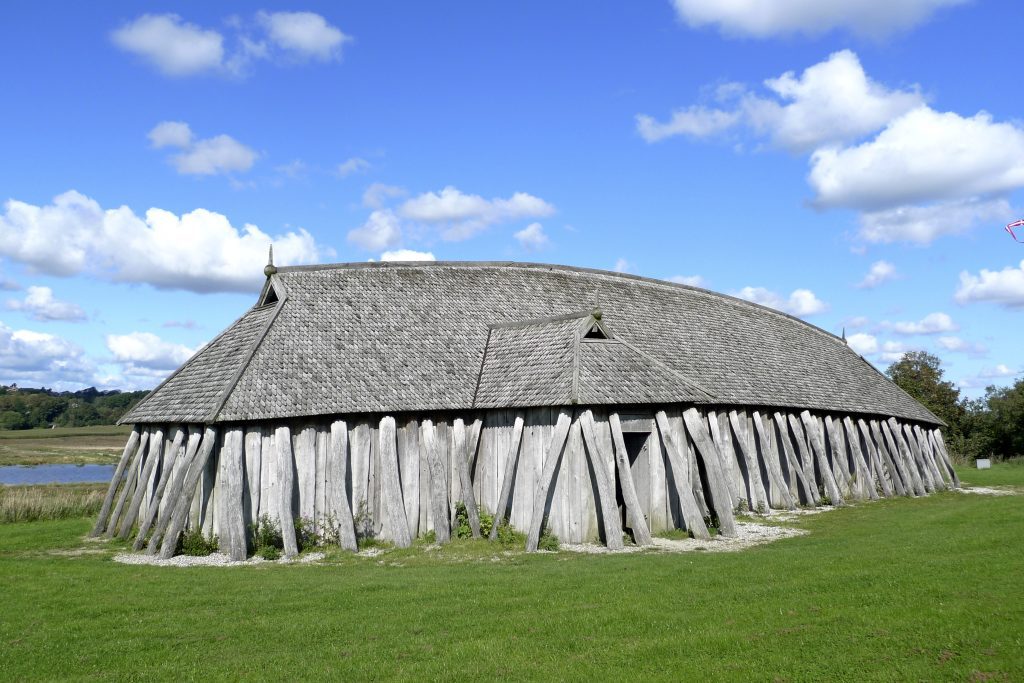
[(394, 504), (337, 504), (461, 452), (438, 483), (860, 462), (933, 458), (757, 491), (181, 508), (126, 455), (634, 513), (902, 458), (720, 499), (771, 457), (501, 512), (940, 447), (692, 517), (723, 442), (156, 447), (839, 460), (605, 489), (165, 474), (129, 484), (285, 483), (819, 453), (914, 456), (173, 491), (885, 458), (796, 467), (229, 495), (547, 476)]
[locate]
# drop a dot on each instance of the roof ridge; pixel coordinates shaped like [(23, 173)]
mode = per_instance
[(690, 384)]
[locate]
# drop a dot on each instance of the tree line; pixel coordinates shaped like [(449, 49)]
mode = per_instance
[(32, 408), (987, 427)]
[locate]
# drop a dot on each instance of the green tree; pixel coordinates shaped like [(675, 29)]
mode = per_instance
[(919, 373)]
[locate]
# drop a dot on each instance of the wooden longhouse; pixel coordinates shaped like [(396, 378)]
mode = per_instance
[(378, 395)]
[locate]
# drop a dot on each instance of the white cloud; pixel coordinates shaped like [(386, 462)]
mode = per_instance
[(381, 230), (532, 237), (758, 19), (933, 323), (377, 194), (800, 302), (695, 121), (174, 46), (1004, 287), (691, 280), (464, 215), (1000, 370), (40, 358), (219, 154), (864, 344), (40, 304), (145, 349), (622, 266), (198, 251), (923, 155), (857, 321), (880, 271), (923, 224), (9, 286), (893, 351), (352, 165), (958, 345), (303, 34), (407, 255)]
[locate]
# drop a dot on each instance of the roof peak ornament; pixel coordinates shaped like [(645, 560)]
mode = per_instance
[(270, 268)]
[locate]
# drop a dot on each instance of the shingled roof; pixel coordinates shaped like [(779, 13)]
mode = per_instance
[(390, 337)]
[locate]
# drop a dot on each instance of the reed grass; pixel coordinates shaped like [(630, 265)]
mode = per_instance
[(50, 501)]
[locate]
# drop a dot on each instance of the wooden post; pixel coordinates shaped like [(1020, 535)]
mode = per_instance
[(913, 454), (885, 458), (509, 477), (901, 455), (819, 453), (720, 499), (460, 452), (720, 435), (115, 481), (229, 494), (771, 457), (796, 467), (173, 491), (131, 475), (177, 521), (940, 447), (438, 483), (634, 513), (156, 447), (804, 457), (253, 474), (338, 507), (839, 459), (681, 476), (165, 475), (547, 476), (939, 470), (605, 489), (285, 482), (391, 485), (861, 464), (757, 492), (409, 458)]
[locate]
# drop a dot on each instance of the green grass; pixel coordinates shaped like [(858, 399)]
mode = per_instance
[(50, 501), (64, 445), (1008, 473), (903, 589)]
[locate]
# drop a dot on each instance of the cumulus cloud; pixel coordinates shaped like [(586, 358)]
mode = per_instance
[(41, 358), (1004, 287), (857, 321), (179, 48), (219, 154), (463, 215), (800, 302), (147, 350), (757, 19), (958, 345), (378, 194), (696, 121), (352, 165), (407, 255), (893, 351), (1000, 370), (880, 272), (691, 280), (863, 343), (173, 46), (198, 251), (622, 266), (305, 34), (381, 230), (532, 237), (40, 304), (933, 323), (924, 224)]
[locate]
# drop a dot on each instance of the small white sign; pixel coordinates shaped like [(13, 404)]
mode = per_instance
[(984, 463)]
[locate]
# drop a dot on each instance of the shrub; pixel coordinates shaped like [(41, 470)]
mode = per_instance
[(193, 542), (548, 541), (509, 537), (462, 526), (306, 534), (266, 538), (269, 552)]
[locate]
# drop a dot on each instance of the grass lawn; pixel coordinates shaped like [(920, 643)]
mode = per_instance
[(64, 445), (922, 589)]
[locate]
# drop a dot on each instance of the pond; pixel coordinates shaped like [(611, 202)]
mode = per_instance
[(55, 474)]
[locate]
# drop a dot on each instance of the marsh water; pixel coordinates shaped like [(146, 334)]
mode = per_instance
[(55, 474)]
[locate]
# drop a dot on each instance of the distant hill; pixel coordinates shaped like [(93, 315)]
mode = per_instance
[(32, 408)]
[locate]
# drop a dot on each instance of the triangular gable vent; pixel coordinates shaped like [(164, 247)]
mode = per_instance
[(269, 296), (595, 332)]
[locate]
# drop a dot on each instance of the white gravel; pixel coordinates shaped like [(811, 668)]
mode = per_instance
[(748, 534), (989, 491), (212, 560)]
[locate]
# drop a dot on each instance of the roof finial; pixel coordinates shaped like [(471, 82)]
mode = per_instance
[(844, 336), (596, 313), (271, 268)]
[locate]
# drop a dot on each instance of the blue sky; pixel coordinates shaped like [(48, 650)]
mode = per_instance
[(851, 163)]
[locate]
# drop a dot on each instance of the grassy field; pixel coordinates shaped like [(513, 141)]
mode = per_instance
[(922, 589), (64, 445)]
